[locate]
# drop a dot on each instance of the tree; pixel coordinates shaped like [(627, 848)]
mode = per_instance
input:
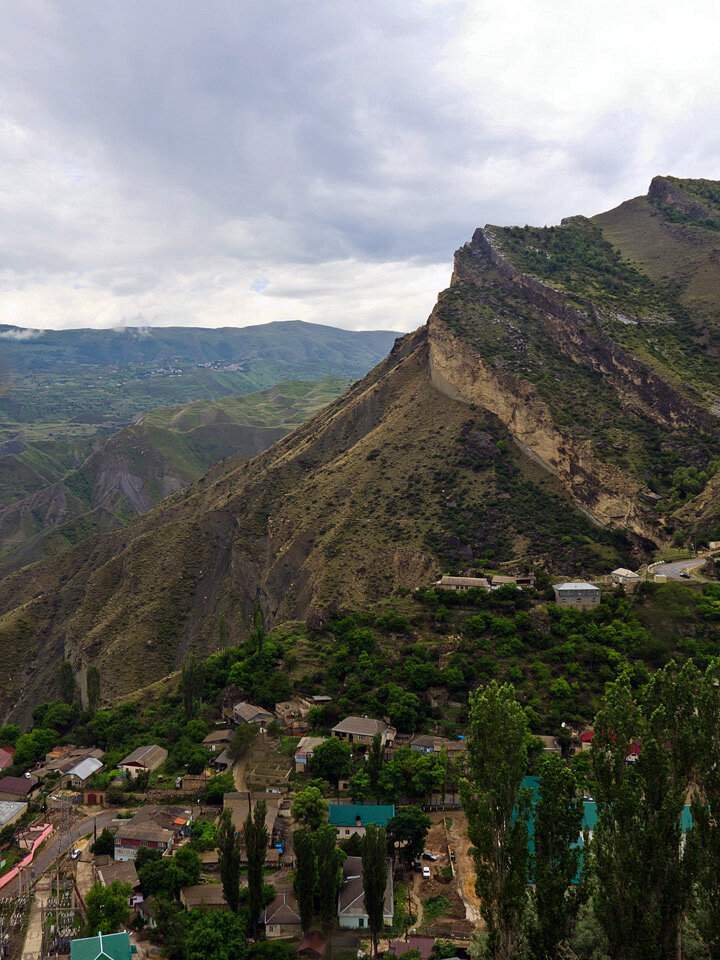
[(643, 871), (329, 874), (217, 787), (374, 874), (497, 806), (305, 875), (192, 681), (331, 761), (215, 935), (222, 630), (556, 861), (105, 844), (92, 681), (408, 830), (245, 737), (66, 681), (229, 854), (257, 633), (706, 814), (256, 842), (310, 808), (107, 908), (375, 758)]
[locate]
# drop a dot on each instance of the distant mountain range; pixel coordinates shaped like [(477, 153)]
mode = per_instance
[(559, 409)]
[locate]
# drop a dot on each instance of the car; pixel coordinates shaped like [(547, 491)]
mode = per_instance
[(685, 576), (429, 856), (426, 873), (75, 854)]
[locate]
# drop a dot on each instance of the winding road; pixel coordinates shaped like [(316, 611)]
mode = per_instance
[(673, 570)]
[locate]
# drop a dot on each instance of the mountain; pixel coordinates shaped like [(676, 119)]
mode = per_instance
[(73, 383), (127, 474), (559, 409)]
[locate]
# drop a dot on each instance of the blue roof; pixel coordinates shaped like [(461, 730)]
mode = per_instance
[(346, 814), (106, 946)]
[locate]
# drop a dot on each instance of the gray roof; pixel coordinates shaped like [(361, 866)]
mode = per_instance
[(462, 582), (362, 726), (248, 711), (10, 809), (85, 769), (122, 870), (352, 893), (145, 755), (581, 586), (283, 909)]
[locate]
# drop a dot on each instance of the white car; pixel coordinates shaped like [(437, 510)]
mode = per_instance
[(426, 873)]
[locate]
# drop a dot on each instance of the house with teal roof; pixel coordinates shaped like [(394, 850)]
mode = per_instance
[(105, 946), (352, 818)]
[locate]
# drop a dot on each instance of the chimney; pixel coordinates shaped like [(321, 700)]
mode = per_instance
[(357, 821)]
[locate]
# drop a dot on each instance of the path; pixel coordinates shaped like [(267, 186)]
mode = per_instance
[(673, 570), (464, 866), (238, 772), (47, 854), (33, 938)]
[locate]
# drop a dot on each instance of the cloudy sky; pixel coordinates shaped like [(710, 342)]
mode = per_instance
[(225, 162)]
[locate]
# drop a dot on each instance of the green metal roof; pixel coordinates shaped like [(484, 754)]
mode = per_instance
[(105, 946), (346, 814)]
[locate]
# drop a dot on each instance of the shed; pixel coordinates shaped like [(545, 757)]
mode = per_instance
[(203, 894), (144, 758)]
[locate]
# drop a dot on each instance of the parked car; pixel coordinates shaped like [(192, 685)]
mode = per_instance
[(685, 576), (429, 856), (426, 873), (75, 854)]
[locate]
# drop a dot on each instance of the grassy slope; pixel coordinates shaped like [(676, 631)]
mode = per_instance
[(134, 469)]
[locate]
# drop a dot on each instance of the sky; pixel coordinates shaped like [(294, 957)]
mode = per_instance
[(223, 163)]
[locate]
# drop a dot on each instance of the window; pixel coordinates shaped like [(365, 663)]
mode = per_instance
[(361, 921)]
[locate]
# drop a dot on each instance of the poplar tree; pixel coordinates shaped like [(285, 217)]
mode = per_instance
[(256, 842), (93, 688), (374, 875), (556, 860), (305, 875), (66, 682), (330, 860), (229, 854), (497, 806)]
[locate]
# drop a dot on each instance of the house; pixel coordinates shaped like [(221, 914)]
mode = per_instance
[(304, 750), (217, 740), (625, 578), (239, 806), (6, 757), (122, 870), (144, 759), (312, 946), (78, 775), (11, 811), (550, 744), (352, 818), (502, 581), (282, 916), (461, 584), (351, 907), (105, 946), (223, 762), (247, 713), (208, 895), (210, 860), (426, 743), (423, 945), (586, 739), (18, 788), (580, 595), (135, 833), (361, 730)]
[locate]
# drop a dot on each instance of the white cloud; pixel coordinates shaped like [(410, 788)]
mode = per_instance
[(218, 163)]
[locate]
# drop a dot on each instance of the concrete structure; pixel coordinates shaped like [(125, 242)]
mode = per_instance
[(105, 946), (304, 750), (580, 595), (625, 578), (361, 730), (282, 916), (352, 818), (144, 833), (461, 584), (144, 759), (217, 740), (78, 775), (11, 811), (248, 713), (351, 908), (203, 895)]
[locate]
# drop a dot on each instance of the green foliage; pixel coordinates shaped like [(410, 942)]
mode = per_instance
[(497, 807), (243, 740), (93, 688), (105, 844), (166, 876), (433, 908), (408, 829), (374, 875), (204, 835), (229, 844), (66, 682), (217, 787), (32, 747), (330, 760), (107, 908), (215, 935), (310, 808), (9, 734), (305, 875), (329, 874), (256, 841), (192, 681)]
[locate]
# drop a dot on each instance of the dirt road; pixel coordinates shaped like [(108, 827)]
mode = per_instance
[(32, 948), (464, 867)]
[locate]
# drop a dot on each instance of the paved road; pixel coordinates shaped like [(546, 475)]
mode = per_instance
[(50, 850), (673, 570)]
